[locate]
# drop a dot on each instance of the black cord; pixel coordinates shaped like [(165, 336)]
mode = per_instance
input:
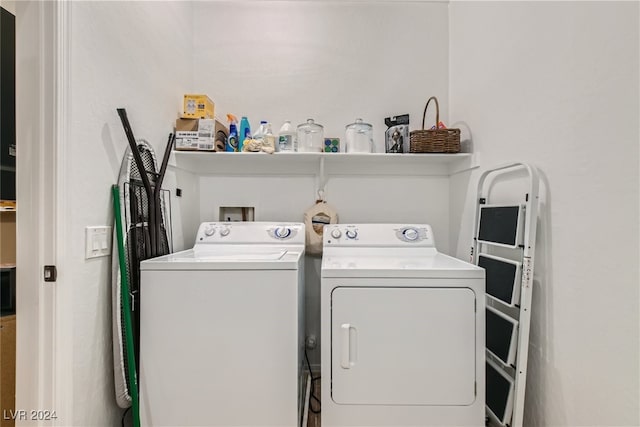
[(313, 380), (315, 411), (124, 414)]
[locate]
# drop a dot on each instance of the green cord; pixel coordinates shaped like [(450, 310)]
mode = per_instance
[(124, 295)]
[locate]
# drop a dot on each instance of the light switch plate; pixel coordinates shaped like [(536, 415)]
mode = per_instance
[(97, 241)]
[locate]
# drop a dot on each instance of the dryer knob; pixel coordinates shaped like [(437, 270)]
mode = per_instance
[(225, 232), (411, 234), (336, 233), (352, 234), (209, 231), (282, 232)]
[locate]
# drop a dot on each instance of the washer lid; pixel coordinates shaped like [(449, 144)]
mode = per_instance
[(433, 266), (228, 258), (208, 257)]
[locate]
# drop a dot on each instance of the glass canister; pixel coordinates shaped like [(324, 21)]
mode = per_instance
[(359, 137), (310, 137)]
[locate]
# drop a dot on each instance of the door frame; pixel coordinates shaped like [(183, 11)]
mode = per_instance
[(44, 348)]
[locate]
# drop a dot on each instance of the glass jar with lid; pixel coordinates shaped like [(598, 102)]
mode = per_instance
[(310, 137), (359, 137)]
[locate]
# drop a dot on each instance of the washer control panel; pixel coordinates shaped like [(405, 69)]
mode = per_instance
[(210, 231), (412, 234), (282, 232), (250, 232), (378, 235)]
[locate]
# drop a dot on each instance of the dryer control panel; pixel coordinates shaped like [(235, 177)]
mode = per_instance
[(374, 235)]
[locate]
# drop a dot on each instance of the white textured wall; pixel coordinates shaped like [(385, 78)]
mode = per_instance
[(135, 55), (556, 85), (331, 61), (334, 62)]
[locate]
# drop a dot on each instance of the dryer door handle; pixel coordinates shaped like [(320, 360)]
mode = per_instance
[(348, 350)]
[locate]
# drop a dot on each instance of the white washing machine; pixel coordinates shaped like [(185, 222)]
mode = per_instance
[(403, 330), (222, 329)]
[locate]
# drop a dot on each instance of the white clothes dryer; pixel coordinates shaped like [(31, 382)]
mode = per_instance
[(403, 330), (222, 329)]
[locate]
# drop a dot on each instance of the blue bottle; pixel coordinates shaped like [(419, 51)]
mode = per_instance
[(232, 139), (245, 132)]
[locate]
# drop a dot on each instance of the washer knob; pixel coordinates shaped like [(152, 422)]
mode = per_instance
[(225, 232), (352, 234), (209, 231), (336, 233), (282, 232), (411, 234)]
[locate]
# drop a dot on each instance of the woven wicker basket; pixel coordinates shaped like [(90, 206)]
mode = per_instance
[(436, 140)]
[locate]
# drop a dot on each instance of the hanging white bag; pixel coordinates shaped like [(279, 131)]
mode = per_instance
[(315, 218)]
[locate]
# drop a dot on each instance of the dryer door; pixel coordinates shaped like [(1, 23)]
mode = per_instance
[(403, 346)]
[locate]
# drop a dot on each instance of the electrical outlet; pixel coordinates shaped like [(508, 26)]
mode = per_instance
[(97, 241)]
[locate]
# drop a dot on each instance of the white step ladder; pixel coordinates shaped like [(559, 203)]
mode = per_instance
[(504, 244)]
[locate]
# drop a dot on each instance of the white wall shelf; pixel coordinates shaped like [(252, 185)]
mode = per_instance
[(222, 163)]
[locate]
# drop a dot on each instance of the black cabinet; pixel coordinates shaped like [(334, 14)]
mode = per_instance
[(7, 105)]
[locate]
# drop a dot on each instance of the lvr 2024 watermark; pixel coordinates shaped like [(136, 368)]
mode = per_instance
[(28, 415)]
